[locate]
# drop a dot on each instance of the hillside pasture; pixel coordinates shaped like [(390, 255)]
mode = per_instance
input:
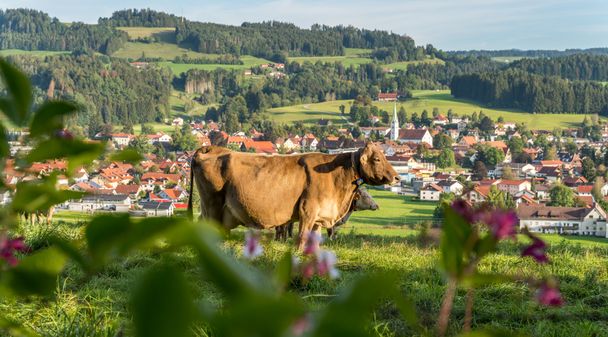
[(352, 56), (404, 64), (248, 62), (163, 34), (167, 51), (37, 53), (428, 100)]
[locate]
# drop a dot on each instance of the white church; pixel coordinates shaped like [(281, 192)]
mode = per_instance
[(415, 136)]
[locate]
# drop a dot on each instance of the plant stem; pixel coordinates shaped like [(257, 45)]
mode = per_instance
[(446, 307), (468, 310)]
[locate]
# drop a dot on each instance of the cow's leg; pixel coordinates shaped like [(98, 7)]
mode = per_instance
[(330, 233), (279, 232), (307, 223), (290, 230)]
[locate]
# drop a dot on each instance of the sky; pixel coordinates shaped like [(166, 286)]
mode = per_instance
[(447, 24)]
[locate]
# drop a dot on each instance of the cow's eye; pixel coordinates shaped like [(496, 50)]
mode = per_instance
[(376, 159)]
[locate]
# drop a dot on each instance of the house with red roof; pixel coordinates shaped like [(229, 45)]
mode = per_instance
[(388, 96)]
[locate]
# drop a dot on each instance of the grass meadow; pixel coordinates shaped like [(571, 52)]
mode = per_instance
[(373, 241), (352, 56), (39, 53), (426, 100)]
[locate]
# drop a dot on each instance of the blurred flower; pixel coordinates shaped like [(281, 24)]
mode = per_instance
[(326, 264), (8, 247), (536, 250), (301, 326), (252, 248), (502, 223), (64, 134), (464, 209), (312, 243), (308, 270), (549, 295)]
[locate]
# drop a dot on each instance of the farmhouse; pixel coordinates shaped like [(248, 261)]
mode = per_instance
[(416, 136), (513, 186), (387, 97), (430, 192), (563, 220)]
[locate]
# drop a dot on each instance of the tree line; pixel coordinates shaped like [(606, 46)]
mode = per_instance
[(575, 67), (30, 29), (528, 53), (140, 18), (514, 88), (108, 91)]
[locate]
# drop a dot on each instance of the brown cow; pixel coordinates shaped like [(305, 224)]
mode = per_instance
[(363, 201), (263, 191)]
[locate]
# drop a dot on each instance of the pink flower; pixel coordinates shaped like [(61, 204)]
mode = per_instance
[(464, 209), (502, 223), (308, 270), (326, 264), (549, 295), (536, 249), (312, 243), (8, 247), (301, 326), (252, 248)]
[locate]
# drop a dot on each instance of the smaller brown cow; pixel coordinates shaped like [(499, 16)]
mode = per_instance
[(363, 201)]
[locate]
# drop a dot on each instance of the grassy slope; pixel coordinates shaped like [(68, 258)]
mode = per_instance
[(404, 64), (352, 56), (427, 100), (98, 306), (40, 53), (248, 62)]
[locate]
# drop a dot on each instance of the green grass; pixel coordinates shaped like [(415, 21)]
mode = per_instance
[(404, 64), (395, 210), (38, 53), (248, 62), (352, 56), (167, 51), (164, 34), (99, 305), (427, 100)]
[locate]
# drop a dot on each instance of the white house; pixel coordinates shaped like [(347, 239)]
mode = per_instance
[(430, 192), (101, 202), (451, 186), (415, 136), (122, 139), (159, 138), (157, 208), (563, 220), (514, 186)]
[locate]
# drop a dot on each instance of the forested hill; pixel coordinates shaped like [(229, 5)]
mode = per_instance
[(274, 40), (575, 67), (109, 91), (529, 53), (35, 30)]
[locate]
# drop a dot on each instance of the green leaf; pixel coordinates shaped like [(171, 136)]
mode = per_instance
[(127, 155), (4, 148), (71, 251), (455, 234), (49, 117), (36, 274), (162, 304), (77, 152), (19, 89), (104, 235), (40, 195)]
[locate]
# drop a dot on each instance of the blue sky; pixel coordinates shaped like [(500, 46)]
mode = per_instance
[(447, 24)]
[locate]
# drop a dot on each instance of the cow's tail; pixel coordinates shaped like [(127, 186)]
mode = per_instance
[(192, 163)]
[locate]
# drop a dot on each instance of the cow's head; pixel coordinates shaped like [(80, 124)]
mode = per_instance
[(364, 201), (374, 168)]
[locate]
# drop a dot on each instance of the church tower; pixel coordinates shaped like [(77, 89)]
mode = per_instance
[(395, 125)]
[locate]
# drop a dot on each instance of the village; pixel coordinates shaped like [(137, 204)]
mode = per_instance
[(526, 180)]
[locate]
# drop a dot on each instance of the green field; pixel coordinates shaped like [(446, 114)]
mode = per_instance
[(352, 56), (167, 51), (427, 100), (404, 64), (164, 34), (39, 53), (248, 62), (395, 210)]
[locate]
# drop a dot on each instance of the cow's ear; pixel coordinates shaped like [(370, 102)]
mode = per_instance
[(363, 156)]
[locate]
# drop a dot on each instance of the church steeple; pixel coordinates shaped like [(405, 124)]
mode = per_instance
[(395, 124)]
